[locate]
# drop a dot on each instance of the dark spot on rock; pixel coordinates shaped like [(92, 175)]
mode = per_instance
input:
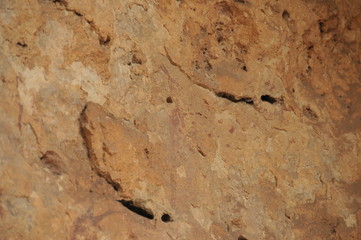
[(53, 162), (241, 1), (285, 15), (321, 26), (269, 99), (62, 2), (309, 113), (231, 130), (146, 151), (136, 59), (166, 217), (169, 100), (22, 44), (242, 238)]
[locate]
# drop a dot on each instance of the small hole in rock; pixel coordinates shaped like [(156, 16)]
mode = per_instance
[(268, 98), (136, 209), (321, 26), (285, 15), (169, 100), (244, 68), (242, 238), (166, 218), (146, 151)]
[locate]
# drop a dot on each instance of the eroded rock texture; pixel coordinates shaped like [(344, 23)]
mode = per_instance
[(224, 119)]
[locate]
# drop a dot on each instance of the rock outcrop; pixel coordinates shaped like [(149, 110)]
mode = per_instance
[(225, 119)]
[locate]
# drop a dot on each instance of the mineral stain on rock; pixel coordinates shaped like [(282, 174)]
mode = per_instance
[(53, 162)]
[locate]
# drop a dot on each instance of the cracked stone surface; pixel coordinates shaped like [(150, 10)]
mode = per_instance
[(219, 119)]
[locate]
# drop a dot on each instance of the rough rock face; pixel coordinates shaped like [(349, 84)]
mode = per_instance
[(187, 119)]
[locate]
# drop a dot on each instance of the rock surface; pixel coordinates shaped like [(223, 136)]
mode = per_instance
[(180, 119)]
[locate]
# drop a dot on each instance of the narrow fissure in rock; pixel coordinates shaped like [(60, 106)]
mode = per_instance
[(233, 98), (137, 209)]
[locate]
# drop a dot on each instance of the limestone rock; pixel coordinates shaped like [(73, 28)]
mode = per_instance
[(188, 119)]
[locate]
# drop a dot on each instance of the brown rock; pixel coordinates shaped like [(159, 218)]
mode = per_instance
[(180, 119)]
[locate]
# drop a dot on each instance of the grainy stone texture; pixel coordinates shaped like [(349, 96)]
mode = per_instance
[(219, 119)]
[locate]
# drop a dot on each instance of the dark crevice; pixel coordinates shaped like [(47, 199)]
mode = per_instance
[(321, 26), (115, 185), (137, 209), (62, 2), (200, 151), (241, 1), (269, 99), (166, 218), (21, 44), (235, 99), (78, 14), (242, 238), (104, 41)]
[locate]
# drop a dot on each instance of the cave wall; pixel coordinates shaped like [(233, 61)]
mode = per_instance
[(180, 119)]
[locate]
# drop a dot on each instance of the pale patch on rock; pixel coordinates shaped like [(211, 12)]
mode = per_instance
[(198, 214), (218, 165), (181, 172), (351, 220), (89, 81), (29, 85)]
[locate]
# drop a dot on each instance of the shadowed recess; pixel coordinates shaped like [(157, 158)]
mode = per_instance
[(136, 209), (268, 98), (234, 99), (166, 217)]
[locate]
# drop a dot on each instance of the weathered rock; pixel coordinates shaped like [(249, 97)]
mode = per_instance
[(180, 119)]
